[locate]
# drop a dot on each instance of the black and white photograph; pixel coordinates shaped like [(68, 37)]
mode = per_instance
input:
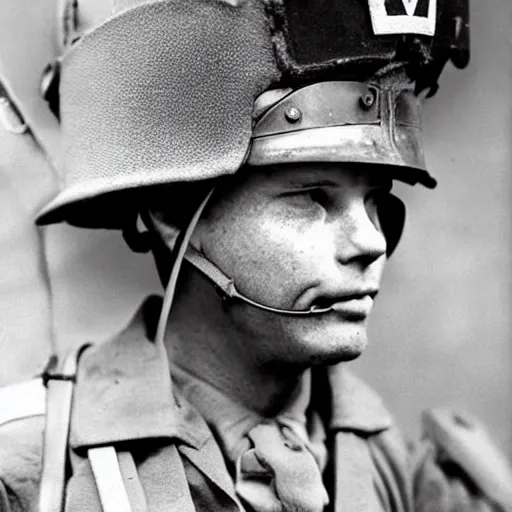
[(255, 256)]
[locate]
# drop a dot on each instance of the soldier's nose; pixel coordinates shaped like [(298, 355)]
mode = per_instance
[(360, 236)]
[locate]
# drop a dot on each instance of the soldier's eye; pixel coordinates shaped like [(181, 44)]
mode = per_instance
[(375, 201), (309, 196), (318, 195)]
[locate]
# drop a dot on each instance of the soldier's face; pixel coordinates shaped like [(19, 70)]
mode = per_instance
[(293, 238)]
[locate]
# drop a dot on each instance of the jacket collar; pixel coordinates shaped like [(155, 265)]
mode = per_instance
[(354, 405), (124, 392)]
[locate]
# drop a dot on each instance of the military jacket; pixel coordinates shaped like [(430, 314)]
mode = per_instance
[(169, 459)]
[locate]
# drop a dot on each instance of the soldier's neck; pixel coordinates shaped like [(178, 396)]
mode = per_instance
[(201, 339)]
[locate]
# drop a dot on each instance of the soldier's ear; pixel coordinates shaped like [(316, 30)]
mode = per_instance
[(392, 220), (135, 235), (157, 224)]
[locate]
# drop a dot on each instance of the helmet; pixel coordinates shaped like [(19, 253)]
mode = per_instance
[(165, 92)]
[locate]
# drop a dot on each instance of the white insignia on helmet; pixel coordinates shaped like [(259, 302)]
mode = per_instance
[(403, 16)]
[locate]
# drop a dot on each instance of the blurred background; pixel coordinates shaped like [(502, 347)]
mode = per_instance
[(441, 330)]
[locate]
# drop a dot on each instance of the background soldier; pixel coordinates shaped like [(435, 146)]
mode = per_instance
[(315, 128)]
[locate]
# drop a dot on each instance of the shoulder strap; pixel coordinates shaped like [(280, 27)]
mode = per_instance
[(133, 485), (59, 378), (120, 489), (109, 480), (114, 472)]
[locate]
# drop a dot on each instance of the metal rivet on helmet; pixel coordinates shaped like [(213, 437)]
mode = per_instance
[(293, 114), (368, 99)]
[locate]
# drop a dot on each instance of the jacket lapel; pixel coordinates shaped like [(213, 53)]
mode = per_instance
[(354, 405), (210, 462)]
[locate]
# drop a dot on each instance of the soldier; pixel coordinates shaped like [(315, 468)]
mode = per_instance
[(257, 142)]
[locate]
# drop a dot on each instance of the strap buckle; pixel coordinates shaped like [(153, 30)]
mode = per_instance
[(63, 368)]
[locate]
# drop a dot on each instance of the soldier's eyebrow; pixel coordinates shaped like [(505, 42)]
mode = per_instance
[(316, 183)]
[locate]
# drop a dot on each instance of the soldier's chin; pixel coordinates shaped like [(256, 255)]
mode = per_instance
[(344, 347), (350, 353), (345, 354)]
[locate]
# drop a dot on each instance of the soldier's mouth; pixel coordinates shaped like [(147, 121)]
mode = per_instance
[(325, 302), (356, 304)]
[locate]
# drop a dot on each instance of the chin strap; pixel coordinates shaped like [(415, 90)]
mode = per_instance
[(224, 285), (182, 244), (227, 290)]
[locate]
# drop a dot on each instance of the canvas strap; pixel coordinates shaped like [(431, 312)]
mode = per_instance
[(120, 489), (59, 378), (109, 480)]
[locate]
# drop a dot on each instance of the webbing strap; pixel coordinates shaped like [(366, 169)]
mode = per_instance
[(108, 478), (120, 489), (59, 378), (132, 482)]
